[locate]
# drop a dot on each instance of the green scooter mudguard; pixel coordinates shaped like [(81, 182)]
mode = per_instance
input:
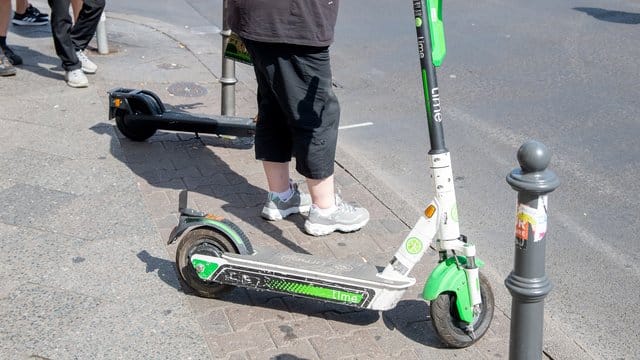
[(449, 277), (191, 219)]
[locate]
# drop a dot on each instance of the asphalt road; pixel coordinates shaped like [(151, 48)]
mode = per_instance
[(563, 72)]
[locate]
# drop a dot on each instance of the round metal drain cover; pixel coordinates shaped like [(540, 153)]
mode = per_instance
[(186, 89)]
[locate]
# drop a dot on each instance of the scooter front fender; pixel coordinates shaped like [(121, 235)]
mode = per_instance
[(226, 227), (449, 277)]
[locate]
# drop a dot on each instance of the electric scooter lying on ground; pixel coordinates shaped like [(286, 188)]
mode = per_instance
[(140, 113), (213, 254)]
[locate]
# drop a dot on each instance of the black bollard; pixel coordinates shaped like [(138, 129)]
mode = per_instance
[(528, 283)]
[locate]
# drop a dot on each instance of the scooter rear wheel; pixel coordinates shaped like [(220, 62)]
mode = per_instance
[(135, 133), (454, 332), (202, 241)]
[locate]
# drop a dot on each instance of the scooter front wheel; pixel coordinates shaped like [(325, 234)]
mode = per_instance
[(454, 332), (207, 242)]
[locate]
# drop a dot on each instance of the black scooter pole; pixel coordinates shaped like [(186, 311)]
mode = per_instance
[(429, 80)]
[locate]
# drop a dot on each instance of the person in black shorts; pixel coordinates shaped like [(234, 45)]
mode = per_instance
[(298, 112)]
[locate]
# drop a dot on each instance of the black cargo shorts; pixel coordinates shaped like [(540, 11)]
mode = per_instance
[(298, 112)]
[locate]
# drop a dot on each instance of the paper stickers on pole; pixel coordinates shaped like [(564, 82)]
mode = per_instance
[(531, 223)]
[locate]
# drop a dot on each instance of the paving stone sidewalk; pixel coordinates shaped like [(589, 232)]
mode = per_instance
[(85, 215)]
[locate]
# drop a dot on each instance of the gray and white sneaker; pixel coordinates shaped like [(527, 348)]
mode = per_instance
[(346, 218), (88, 66), (6, 68), (76, 78), (277, 209)]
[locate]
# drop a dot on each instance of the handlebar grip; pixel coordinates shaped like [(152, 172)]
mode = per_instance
[(436, 29)]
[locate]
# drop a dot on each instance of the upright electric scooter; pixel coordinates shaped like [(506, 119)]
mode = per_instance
[(213, 254)]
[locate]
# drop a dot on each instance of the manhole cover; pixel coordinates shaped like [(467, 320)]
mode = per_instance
[(186, 89)]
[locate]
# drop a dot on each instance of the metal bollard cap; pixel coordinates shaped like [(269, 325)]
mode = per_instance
[(533, 176)]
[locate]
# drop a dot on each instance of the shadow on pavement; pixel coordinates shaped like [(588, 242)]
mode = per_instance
[(620, 17), (411, 318), (39, 63), (214, 178), (165, 268), (33, 32)]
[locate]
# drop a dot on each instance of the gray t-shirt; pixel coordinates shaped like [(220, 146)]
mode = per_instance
[(300, 22)]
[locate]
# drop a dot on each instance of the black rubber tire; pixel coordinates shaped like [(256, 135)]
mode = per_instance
[(449, 327), (210, 242), (135, 133)]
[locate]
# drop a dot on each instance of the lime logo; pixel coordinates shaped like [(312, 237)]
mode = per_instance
[(454, 212), (418, 22), (413, 246)]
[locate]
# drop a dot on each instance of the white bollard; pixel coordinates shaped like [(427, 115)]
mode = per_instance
[(101, 35)]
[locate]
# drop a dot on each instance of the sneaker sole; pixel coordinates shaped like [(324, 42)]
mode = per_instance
[(8, 72), (28, 23), (275, 214), (320, 229), (76, 85), (89, 71)]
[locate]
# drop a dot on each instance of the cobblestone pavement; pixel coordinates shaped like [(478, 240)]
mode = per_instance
[(86, 214)]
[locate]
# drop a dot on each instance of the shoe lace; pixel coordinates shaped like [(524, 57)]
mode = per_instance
[(31, 10), (77, 73), (81, 56), (344, 206)]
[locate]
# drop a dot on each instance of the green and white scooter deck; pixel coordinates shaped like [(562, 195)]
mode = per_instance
[(354, 284)]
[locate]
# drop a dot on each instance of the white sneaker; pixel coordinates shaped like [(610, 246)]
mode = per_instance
[(88, 66), (76, 78)]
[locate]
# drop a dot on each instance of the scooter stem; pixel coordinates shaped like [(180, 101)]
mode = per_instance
[(427, 42)]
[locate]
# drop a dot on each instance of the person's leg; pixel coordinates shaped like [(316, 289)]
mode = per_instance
[(84, 29), (5, 11), (277, 174), (76, 6), (87, 23), (317, 113), (322, 192), (10, 58), (317, 116), (61, 32), (273, 146), (21, 6), (6, 67)]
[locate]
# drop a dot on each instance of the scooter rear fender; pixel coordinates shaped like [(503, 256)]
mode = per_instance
[(194, 220), (134, 101), (449, 277)]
